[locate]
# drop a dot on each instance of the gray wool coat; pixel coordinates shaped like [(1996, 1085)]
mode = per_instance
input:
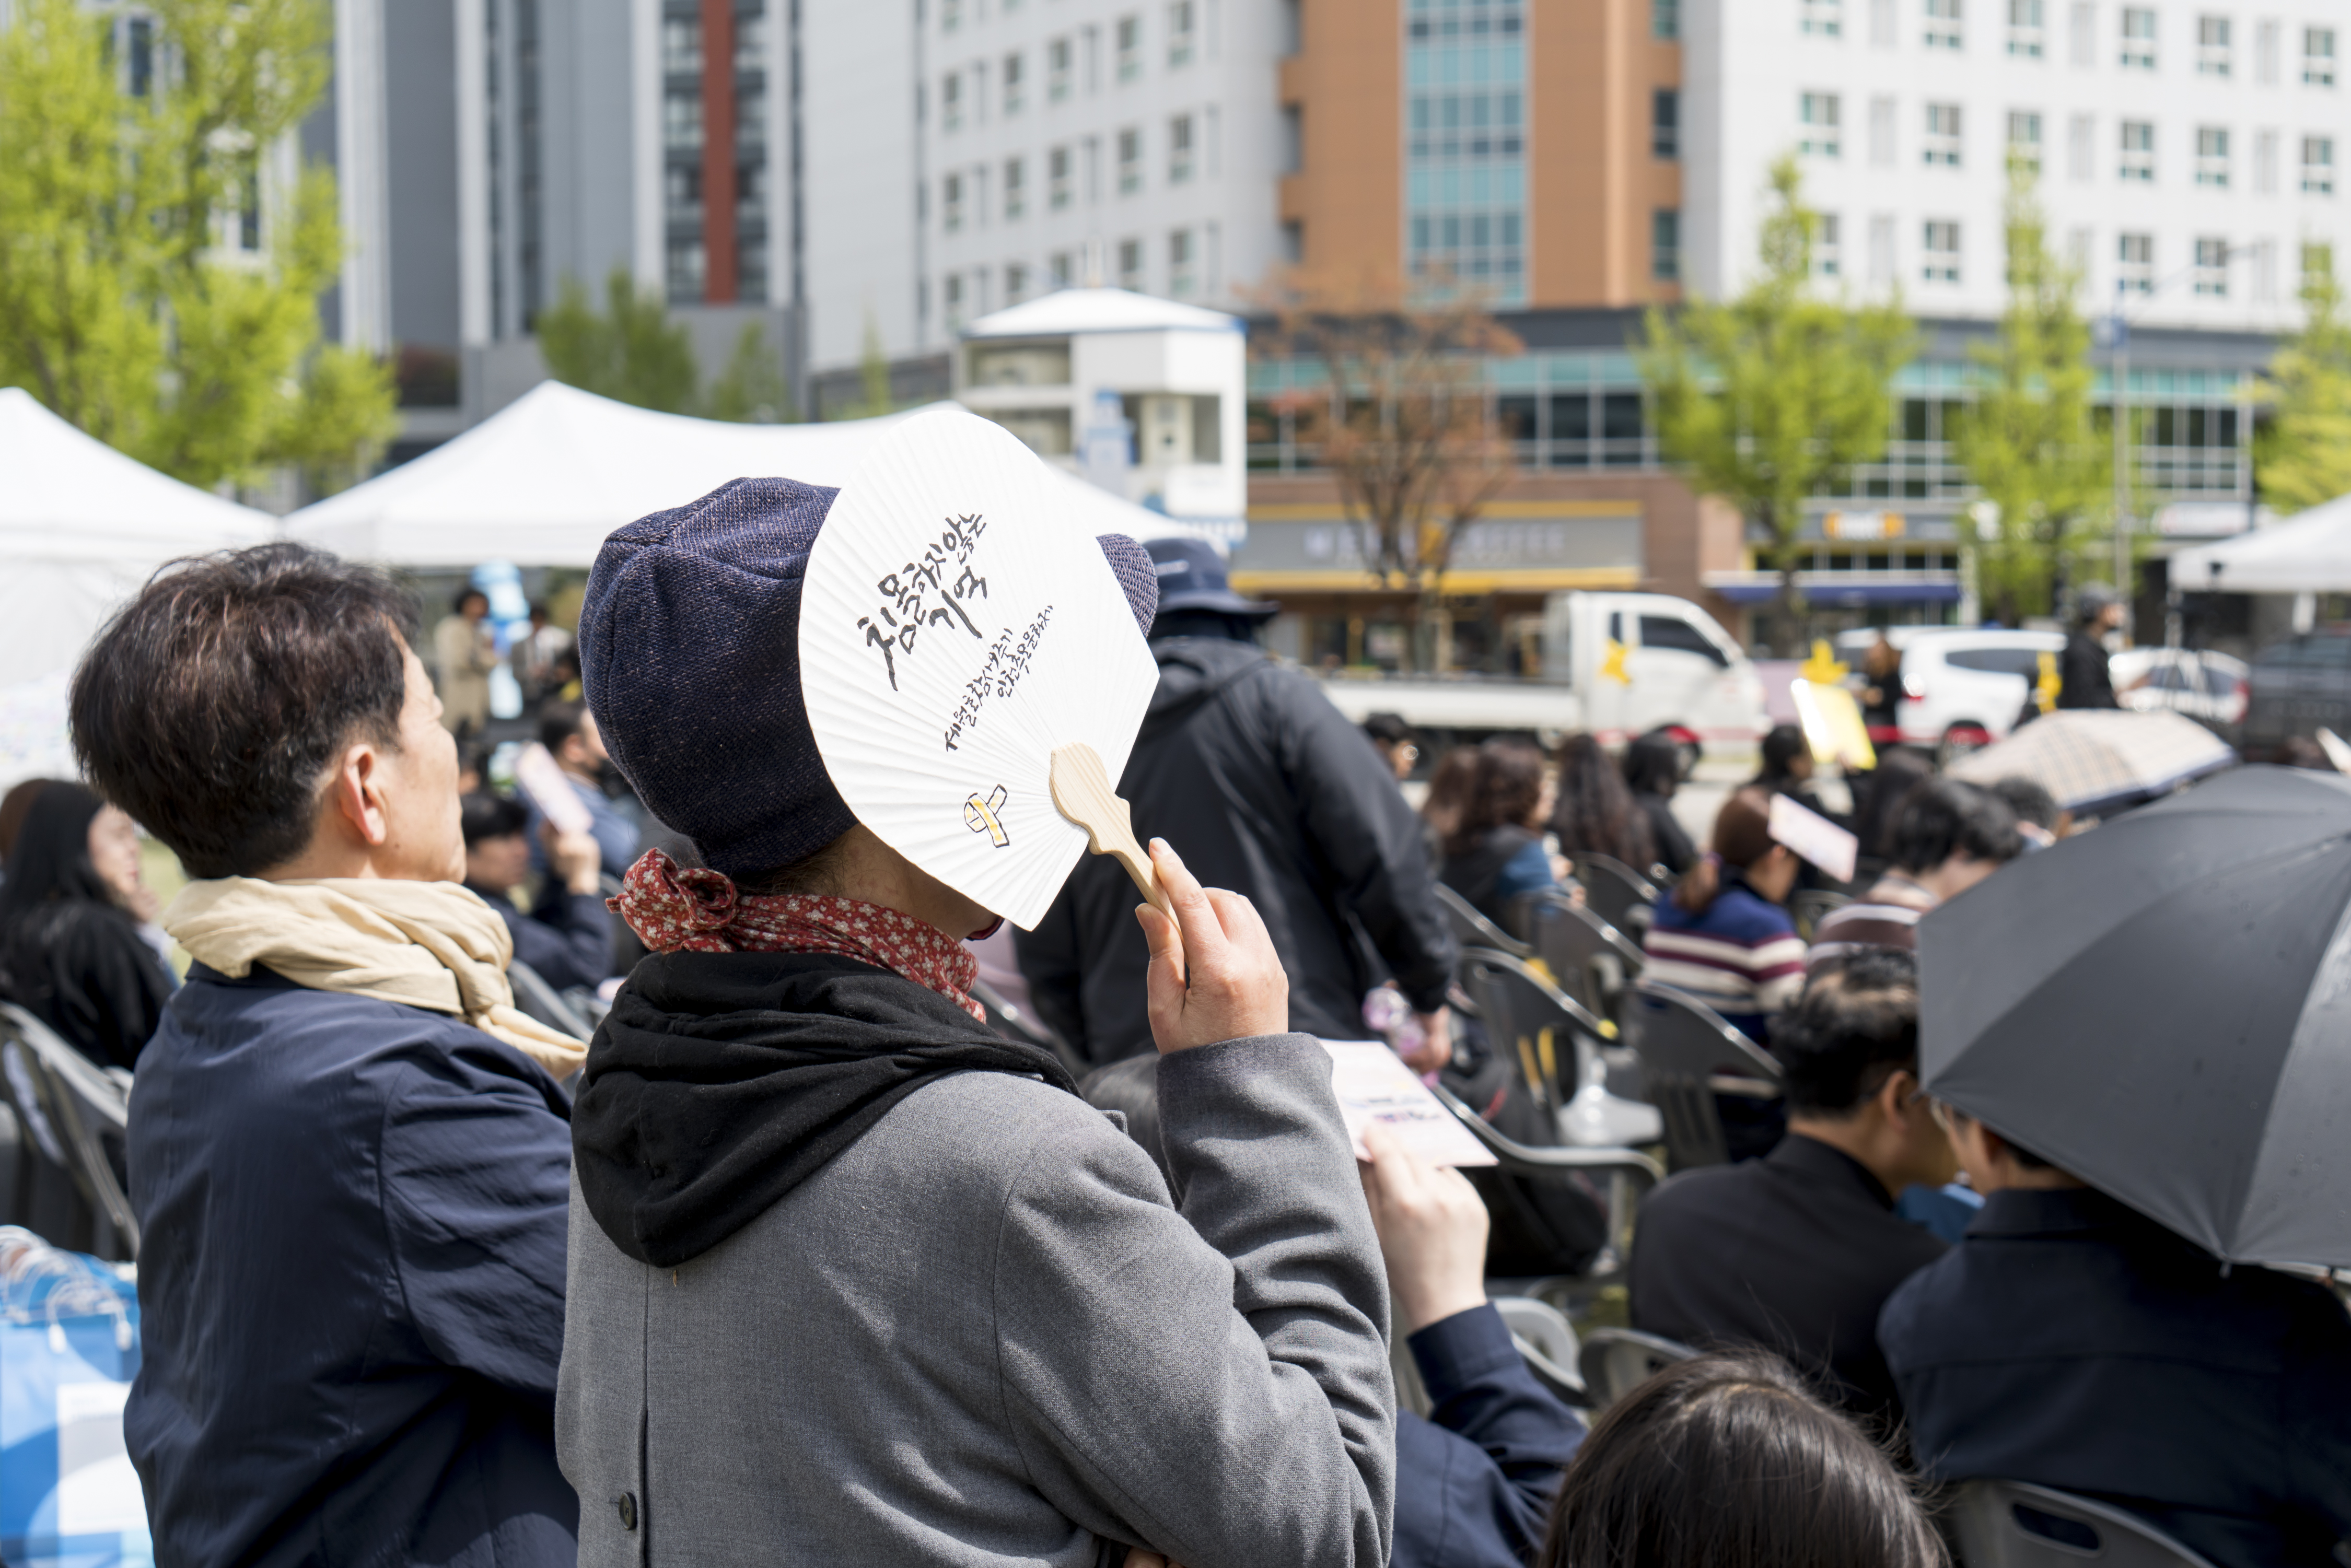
[(984, 1336)]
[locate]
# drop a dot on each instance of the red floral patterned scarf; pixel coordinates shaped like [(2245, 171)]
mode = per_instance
[(676, 909)]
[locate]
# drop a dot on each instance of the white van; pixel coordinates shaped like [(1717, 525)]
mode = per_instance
[(1962, 686), (1618, 665)]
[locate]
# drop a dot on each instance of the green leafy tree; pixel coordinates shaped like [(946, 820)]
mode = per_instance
[(752, 389), (873, 377), (2029, 441), (2304, 454), (1775, 395), (631, 351), (131, 302)]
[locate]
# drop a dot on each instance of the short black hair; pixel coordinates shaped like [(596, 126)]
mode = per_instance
[(1943, 816), (559, 721), (1388, 727), (485, 814), (211, 706), (1728, 1461), (1653, 764), (468, 591), (1781, 746), (2029, 802), (1855, 1025)]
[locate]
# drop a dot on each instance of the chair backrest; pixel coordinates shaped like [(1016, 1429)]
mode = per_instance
[(1591, 959), (1546, 1339), (67, 1102), (1809, 905), (1689, 1054), (2015, 1524), (1613, 889), (1623, 1177), (1472, 929), (1614, 1361), (534, 998), (1530, 1021)]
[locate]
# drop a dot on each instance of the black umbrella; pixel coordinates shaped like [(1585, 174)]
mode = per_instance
[(2163, 1008)]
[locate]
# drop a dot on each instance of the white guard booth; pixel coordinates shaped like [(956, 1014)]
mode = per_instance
[(2310, 553), (541, 482)]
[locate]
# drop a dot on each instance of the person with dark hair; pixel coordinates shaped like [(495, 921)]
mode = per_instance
[(1274, 795), (1878, 799), (1728, 1461), (70, 949), (1950, 836), (1881, 691), (1724, 934), (1796, 1252), (1594, 812), (13, 807), (2084, 676), (538, 657), (1450, 785), (467, 651), (1395, 740), (855, 1279), (347, 1150), (567, 937), (568, 732), (2039, 819), (1495, 852), (1653, 772), (2072, 1342)]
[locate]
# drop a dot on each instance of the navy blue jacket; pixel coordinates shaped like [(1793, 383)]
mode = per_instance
[(1475, 1481), (350, 1285), (2071, 1342), (566, 937)]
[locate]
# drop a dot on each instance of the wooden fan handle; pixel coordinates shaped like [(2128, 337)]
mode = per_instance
[(1082, 793)]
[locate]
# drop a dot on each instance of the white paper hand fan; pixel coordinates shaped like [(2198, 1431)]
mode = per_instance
[(957, 626)]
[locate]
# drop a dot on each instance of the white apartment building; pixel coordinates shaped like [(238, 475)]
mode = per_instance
[(2190, 151), (964, 155)]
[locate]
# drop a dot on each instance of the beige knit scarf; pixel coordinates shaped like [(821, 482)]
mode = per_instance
[(429, 944)]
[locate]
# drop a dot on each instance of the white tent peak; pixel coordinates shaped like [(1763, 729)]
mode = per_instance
[(2309, 552), (68, 495), (1069, 310)]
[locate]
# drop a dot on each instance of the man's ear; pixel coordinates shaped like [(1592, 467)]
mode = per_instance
[(1895, 1097), (355, 795)]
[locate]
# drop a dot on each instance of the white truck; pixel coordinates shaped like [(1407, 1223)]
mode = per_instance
[(1618, 665)]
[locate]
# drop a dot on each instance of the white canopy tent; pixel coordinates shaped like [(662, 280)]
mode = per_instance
[(2310, 553), (81, 527), (544, 480)]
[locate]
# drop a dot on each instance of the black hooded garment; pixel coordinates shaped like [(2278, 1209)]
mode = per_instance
[(1264, 788), (720, 1082)]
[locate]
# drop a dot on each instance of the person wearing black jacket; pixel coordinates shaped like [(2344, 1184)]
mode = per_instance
[(566, 937), (70, 950), (2083, 676), (1274, 795)]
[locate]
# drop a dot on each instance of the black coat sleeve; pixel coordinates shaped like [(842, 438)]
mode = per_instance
[(1474, 1482), (1358, 827), (566, 937), (1053, 964), (2083, 677)]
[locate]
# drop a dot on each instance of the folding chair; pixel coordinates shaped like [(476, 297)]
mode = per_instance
[(1546, 1340), (1614, 891), (1809, 906), (1472, 929), (536, 999), (1628, 1175), (2015, 1524), (1531, 1020), (1590, 960), (1614, 1361), (70, 1104), (1688, 1055)]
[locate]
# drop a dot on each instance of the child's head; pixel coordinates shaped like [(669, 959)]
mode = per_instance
[(1728, 1461)]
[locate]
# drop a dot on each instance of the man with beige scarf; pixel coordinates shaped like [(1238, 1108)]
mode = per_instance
[(348, 1153)]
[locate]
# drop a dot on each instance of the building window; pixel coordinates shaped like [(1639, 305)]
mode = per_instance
[(2265, 159), (2138, 38), (1881, 250), (1819, 112), (2026, 35), (1666, 244), (1130, 161), (682, 121), (2318, 166), (1940, 238), (2134, 262), (951, 101), (1179, 149), (1015, 83), (1130, 263), (1057, 69), (1943, 143), (1057, 178), (2213, 268), (750, 117), (2318, 56), (2081, 148), (1666, 19), (2212, 156), (1828, 247), (1061, 269), (2138, 151), (1130, 47), (688, 268), (2024, 138), (1179, 262), (1016, 188), (2212, 45), (951, 203), (681, 45), (751, 44), (1943, 24), (1823, 19), (951, 295), (2266, 54), (751, 271), (950, 17), (1665, 123), (1016, 282), (1179, 33), (1881, 132)]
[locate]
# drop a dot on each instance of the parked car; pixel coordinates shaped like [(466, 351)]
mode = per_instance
[(2296, 686), (1618, 665), (2210, 688), (1962, 687)]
